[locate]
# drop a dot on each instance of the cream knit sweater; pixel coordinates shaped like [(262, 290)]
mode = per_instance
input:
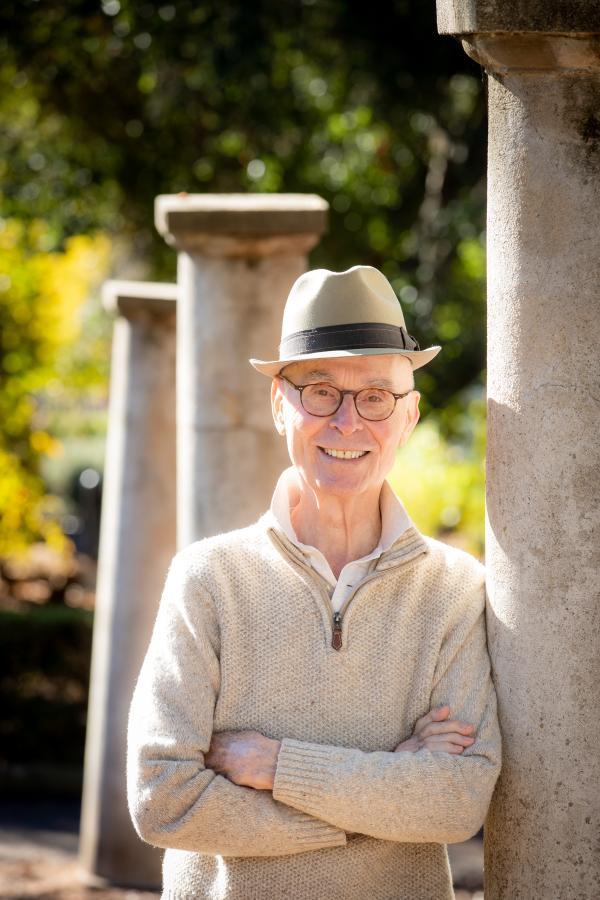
[(243, 640)]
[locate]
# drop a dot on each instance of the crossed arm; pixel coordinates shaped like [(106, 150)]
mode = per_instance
[(250, 758), (175, 800), (245, 794), (435, 786)]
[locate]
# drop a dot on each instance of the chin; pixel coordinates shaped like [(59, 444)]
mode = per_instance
[(340, 487)]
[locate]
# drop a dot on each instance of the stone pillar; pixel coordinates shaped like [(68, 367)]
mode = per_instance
[(239, 255), (543, 469), (137, 542)]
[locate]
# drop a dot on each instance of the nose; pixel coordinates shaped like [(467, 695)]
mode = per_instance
[(346, 419)]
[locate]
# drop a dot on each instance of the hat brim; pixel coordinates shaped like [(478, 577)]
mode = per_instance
[(273, 367)]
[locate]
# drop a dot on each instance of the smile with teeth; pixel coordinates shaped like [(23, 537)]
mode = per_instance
[(344, 454)]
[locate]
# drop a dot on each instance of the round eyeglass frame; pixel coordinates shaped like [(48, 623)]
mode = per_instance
[(301, 387)]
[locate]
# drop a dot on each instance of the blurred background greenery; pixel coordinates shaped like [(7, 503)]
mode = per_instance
[(103, 105)]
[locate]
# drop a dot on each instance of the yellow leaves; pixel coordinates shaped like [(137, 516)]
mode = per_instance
[(64, 281), (42, 295), (43, 443), (24, 509)]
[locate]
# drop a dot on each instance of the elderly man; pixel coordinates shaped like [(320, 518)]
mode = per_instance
[(315, 717)]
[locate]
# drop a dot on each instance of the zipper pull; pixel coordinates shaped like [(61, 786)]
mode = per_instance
[(336, 637)]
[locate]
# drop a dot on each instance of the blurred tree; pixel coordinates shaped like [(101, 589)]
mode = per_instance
[(41, 296), (442, 483), (107, 104)]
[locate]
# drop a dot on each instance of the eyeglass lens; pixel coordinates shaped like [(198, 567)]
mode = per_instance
[(324, 399)]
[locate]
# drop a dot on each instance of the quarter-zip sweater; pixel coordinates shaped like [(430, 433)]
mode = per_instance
[(245, 638)]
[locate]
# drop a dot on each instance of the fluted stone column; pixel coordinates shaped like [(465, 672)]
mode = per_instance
[(543, 468), (137, 541), (239, 255)]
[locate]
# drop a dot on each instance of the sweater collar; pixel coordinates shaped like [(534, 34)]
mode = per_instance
[(410, 544), (394, 520)]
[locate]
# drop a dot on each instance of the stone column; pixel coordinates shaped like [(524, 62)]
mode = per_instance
[(137, 541), (543, 469), (239, 255)]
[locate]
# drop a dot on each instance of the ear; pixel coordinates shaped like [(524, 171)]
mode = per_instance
[(412, 416), (277, 405)]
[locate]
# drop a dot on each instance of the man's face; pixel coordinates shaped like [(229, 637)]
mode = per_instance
[(309, 437)]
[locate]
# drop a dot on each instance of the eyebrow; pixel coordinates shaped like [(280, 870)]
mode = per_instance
[(327, 376)]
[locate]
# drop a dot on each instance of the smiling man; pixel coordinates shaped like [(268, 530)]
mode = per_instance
[(315, 716), (342, 439)]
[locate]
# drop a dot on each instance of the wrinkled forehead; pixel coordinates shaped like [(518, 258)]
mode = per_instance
[(388, 370)]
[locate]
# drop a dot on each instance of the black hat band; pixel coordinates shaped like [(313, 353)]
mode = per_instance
[(358, 336)]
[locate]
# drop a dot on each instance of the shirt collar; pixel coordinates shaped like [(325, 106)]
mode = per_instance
[(394, 517)]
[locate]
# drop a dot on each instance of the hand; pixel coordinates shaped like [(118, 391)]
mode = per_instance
[(247, 758), (436, 732)]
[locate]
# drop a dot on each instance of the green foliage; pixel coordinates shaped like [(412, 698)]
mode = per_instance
[(119, 101), (47, 173)]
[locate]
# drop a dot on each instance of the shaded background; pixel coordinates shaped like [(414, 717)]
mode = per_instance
[(105, 105)]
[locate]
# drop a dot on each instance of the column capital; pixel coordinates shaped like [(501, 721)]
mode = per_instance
[(128, 298), (460, 17), (241, 225), (532, 35)]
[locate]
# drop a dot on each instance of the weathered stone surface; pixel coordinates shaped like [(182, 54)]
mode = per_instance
[(461, 17), (138, 539), (526, 36), (126, 298), (543, 470), (543, 466), (504, 53), (229, 452), (214, 223)]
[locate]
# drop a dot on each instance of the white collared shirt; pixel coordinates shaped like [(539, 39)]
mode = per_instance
[(394, 521)]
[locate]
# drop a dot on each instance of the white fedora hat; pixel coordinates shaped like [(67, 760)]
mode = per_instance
[(351, 313)]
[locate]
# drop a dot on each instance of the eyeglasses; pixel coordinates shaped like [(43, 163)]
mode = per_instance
[(321, 399)]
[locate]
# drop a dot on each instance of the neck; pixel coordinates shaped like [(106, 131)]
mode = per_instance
[(342, 528)]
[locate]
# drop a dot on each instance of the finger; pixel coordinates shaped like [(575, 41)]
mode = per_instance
[(451, 725), (436, 714), (445, 747), (452, 738)]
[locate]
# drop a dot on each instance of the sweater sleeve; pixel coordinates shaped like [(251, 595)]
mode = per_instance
[(174, 800), (417, 797)]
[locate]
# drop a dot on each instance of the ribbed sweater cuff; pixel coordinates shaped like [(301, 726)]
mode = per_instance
[(303, 773), (317, 835)]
